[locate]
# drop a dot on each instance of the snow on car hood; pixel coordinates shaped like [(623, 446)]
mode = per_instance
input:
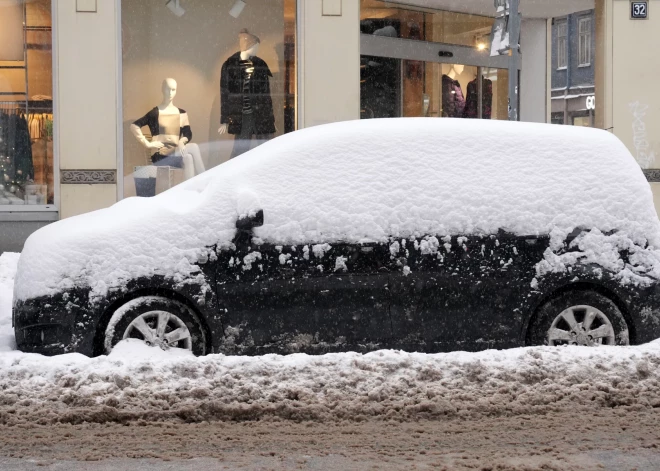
[(357, 181)]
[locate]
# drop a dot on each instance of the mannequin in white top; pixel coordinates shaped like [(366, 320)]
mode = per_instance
[(171, 134), (245, 55)]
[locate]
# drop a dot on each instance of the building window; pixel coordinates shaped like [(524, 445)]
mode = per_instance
[(584, 55), (202, 84), (562, 44), (557, 118), (26, 105)]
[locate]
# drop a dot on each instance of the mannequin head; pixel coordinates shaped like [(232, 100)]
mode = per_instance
[(247, 41), (169, 90)]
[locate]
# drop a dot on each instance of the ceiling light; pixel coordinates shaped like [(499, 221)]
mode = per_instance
[(237, 9), (481, 46), (175, 7)]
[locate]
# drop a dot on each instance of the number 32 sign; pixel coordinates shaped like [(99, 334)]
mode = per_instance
[(639, 10)]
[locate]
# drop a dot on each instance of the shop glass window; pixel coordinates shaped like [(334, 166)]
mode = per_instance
[(203, 82), (394, 20), (393, 88), (562, 44), (26, 104), (584, 26)]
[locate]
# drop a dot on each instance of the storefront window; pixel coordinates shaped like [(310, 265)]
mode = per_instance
[(393, 88), (26, 103), (391, 19), (419, 82), (203, 82)]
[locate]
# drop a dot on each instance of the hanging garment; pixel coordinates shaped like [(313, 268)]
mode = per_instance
[(472, 106), (16, 166), (453, 100), (234, 92)]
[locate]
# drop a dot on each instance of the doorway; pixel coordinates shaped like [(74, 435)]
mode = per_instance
[(429, 64)]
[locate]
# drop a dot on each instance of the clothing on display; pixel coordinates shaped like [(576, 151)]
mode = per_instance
[(472, 100), (168, 129), (16, 165), (244, 141), (247, 67), (453, 100), (233, 93), (170, 146)]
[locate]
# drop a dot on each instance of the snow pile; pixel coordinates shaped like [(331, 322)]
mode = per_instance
[(357, 181), (8, 262), (137, 382)]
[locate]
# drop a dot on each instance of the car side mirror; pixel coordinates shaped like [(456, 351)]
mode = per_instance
[(249, 222)]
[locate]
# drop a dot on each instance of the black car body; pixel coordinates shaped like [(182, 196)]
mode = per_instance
[(467, 293)]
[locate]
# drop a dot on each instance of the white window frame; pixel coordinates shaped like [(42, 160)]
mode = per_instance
[(562, 44), (584, 41)]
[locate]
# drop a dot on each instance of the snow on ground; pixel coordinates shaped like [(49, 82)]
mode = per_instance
[(137, 382), (8, 262)]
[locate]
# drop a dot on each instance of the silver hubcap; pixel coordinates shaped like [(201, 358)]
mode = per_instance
[(161, 329), (581, 325)]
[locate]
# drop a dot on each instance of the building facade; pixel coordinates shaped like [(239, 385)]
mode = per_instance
[(88, 117), (573, 69)]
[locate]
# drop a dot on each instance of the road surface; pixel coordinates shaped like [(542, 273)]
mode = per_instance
[(608, 439)]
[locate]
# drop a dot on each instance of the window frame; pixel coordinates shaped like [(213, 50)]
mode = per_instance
[(584, 41), (562, 44)]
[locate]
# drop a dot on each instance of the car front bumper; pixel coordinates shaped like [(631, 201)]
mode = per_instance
[(51, 327)]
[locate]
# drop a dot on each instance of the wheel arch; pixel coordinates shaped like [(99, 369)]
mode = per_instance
[(139, 293), (582, 286)]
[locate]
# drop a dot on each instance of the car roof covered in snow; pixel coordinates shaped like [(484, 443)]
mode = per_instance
[(358, 181)]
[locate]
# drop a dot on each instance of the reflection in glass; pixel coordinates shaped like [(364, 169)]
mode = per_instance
[(393, 19)]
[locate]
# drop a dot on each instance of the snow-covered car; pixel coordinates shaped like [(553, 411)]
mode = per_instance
[(415, 234)]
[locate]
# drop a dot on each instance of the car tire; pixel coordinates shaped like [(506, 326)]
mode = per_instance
[(159, 322), (583, 318)]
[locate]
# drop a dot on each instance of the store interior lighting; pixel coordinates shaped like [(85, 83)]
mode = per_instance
[(237, 9), (175, 7)]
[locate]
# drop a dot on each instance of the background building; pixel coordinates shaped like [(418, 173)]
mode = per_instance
[(573, 69), (82, 72)]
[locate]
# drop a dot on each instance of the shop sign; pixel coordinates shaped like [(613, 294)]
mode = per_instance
[(639, 10), (591, 102)]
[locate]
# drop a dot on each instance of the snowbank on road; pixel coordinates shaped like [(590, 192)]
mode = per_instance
[(138, 382), (8, 262), (357, 181), (348, 386)]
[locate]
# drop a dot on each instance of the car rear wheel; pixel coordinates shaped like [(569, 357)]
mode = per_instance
[(582, 318), (158, 322)]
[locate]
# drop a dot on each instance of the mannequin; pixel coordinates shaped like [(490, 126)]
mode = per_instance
[(170, 135), (246, 108), (455, 71), (453, 100)]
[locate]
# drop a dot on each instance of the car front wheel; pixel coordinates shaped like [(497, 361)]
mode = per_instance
[(157, 321), (582, 318)]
